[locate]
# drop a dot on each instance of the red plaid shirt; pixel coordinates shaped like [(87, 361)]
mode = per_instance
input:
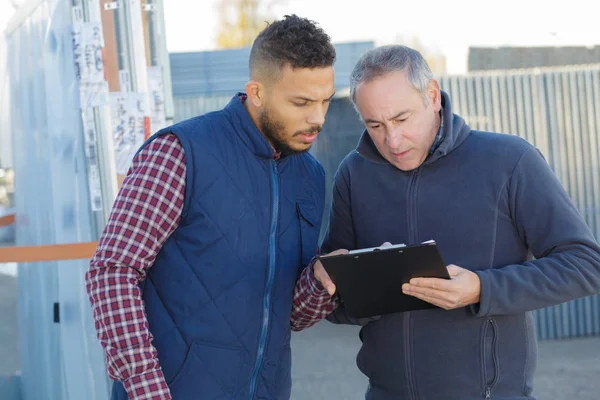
[(146, 212)]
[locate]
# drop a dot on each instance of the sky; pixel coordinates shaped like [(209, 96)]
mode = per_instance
[(447, 26), (6, 11)]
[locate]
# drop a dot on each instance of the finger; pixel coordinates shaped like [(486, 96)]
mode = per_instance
[(386, 244), (431, 300), (323, 277), (336, 253), (331, 288), (440, 301), (430, 293), (454, 270), (340, 251), (434, 283)]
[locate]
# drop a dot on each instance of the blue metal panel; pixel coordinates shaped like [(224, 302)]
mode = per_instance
[(39, 340), (10, 388), (5, 136), (225, 72), (188, 107)]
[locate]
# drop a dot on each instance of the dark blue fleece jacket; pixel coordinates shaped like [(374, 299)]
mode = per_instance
[(490, 201)]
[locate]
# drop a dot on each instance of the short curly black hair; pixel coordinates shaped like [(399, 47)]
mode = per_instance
[(294, 41)]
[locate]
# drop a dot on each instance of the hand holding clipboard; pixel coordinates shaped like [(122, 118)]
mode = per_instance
[(370, 281)]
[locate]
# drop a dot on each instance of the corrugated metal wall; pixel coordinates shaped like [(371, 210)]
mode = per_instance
[(5, 137), (224, 72), (190, 106), (517, 57), (557, 110)]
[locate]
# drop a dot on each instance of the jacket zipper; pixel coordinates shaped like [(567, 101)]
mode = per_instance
[(411, 215), (409, 357), (489, 386), (269, 286)]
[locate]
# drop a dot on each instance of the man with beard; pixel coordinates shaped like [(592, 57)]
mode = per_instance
[(207, 246)]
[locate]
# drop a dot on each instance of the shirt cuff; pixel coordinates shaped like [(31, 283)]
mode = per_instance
[(147, 386)]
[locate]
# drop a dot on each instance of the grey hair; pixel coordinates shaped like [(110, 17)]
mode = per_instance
[(391, 58)]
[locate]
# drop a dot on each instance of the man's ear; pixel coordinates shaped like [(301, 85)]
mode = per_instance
[(255, 92), (434, 94)]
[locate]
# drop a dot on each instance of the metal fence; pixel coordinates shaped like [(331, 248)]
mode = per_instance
[(220, 72), (555, 109), (190, 106)]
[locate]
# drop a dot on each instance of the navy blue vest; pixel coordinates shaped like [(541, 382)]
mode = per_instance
[(219, 296)]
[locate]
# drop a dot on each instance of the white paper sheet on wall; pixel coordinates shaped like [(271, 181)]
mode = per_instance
[(88, 48), (156, 91), (128, 112)]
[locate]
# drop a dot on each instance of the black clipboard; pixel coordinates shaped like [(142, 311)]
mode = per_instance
[(370, 282)]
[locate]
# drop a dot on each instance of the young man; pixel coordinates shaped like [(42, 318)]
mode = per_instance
[(193, 280)]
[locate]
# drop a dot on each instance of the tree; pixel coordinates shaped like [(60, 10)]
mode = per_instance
[(240, 21)]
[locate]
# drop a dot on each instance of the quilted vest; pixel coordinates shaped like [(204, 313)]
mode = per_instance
[(219, 296)]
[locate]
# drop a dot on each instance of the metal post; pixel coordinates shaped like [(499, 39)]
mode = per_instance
[(97, 136), (132, 11), (162, 56)]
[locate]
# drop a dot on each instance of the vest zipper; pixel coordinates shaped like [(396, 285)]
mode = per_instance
[(271, 275)]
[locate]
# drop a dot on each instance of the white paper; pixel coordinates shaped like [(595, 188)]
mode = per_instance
[(91, 156), (88, 44), (156, 91), (125, 80), (77, 14), (394, 246), (127, 111)]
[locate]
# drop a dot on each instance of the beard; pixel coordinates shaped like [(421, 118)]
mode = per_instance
[(274, 131)]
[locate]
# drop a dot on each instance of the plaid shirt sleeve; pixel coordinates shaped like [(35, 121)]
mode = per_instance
[(311, 301), (146, 212)]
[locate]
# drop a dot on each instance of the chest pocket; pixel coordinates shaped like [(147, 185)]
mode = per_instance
[(309, 230)]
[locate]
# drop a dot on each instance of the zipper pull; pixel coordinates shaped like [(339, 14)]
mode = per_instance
[(488, 394)]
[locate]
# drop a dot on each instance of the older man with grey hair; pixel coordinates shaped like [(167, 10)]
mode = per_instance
[(490, 201)]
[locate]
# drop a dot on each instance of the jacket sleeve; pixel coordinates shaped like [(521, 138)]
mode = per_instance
[(567, 257)]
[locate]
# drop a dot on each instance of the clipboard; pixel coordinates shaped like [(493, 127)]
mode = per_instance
[(369, 281)]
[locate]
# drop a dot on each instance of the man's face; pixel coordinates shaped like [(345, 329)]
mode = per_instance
[(293, 112), (399, 119)]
